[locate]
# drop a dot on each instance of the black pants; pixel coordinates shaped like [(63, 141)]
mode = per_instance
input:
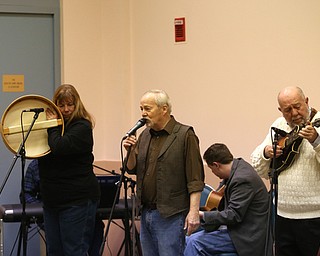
[(297, 237)]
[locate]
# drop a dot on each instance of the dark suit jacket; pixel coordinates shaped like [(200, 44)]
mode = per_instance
[(245, 210)]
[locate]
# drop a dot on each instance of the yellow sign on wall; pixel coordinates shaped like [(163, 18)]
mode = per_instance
[(12, 83)]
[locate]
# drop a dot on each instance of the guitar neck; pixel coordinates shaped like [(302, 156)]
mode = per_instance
[(294, 134)]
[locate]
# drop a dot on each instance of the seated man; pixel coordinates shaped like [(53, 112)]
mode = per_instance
[(32, 184), (242, 223), (32, 193)]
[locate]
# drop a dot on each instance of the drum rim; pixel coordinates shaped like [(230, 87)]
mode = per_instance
[(20, 99)]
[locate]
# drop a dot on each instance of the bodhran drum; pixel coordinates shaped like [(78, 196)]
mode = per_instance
[(15, 121)]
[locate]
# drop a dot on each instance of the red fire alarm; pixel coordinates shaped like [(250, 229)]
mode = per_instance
[(180, 29)]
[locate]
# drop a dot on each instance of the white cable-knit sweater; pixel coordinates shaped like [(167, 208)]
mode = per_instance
[(298, 185)]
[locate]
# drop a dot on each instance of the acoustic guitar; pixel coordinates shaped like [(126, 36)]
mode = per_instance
[(290, 145), (211, 199)]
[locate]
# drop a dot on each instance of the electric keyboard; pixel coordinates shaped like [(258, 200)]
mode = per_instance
[(34, 212)]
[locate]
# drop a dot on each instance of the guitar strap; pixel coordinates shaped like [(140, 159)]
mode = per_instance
[(313, 113)]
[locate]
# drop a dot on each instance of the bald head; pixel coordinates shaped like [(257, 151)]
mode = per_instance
[(290, 91), (293, 105)]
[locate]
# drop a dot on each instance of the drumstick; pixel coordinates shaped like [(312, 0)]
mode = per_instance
[(37, 126)]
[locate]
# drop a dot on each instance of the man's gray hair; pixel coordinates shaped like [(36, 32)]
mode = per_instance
[(161, 98)]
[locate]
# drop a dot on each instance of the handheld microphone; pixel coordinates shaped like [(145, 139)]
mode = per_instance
[(138, 125), (282, 133), (37, 110)]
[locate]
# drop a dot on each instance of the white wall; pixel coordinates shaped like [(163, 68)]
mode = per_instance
[(238, 55), (224, 80), (96, 59)]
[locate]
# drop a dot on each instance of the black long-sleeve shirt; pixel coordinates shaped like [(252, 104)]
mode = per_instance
[(66, 173)]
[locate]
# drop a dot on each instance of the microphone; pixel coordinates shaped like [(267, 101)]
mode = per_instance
[(138, 125), (282, 133), (37, 110)]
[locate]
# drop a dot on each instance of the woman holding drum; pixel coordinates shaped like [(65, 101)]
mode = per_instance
[(69, 188)]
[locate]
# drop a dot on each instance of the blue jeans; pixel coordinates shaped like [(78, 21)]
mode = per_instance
[(161, 236), (209, 243), (69, 231), (97, 238)]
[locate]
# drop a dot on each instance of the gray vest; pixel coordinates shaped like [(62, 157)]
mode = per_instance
[(172, 192)]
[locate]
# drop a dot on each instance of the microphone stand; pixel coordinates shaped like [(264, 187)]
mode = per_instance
[(134, 233), (21, 153), (273, 202), (127, 232), (133, 130)]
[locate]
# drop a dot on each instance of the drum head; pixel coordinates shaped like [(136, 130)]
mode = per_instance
[(36, 144)]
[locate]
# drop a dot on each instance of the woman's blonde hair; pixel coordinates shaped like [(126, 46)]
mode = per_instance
[(67, 92)]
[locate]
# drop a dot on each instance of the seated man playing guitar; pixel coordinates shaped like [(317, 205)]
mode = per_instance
[(239, 225), (297, 174)]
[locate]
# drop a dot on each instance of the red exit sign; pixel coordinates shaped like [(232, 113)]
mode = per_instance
[(180, 29)]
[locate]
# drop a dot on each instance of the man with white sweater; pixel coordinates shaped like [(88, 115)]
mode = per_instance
[(297, 168)]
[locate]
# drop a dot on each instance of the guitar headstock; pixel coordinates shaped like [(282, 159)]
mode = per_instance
[(316, 122)]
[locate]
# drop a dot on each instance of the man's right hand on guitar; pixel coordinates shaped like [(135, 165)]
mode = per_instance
[(309, 133)]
